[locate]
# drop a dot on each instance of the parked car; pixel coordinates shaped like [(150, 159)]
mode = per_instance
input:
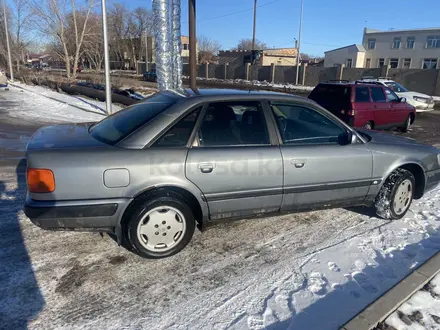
[(364, 105), (420, 101), (150, 172), (150, 75)]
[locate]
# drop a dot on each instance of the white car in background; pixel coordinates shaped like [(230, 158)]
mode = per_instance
[(420, 101)]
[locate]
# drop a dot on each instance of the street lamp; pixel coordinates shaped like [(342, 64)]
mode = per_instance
[(7, 41), (108, 90), (299, 43)]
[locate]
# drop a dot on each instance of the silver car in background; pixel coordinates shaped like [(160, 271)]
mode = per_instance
[(153, 171)]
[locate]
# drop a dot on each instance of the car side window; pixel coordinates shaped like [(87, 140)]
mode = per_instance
[(362, 94), (391, 96), (178, 135), (233, 124), (377, 94), (302, 125)]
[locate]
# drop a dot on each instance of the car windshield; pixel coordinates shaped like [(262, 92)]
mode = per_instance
[(396, 87), (119, 125)]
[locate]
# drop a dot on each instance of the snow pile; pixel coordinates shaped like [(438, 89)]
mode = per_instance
[(73, 100), (421, 311), (32, 102)]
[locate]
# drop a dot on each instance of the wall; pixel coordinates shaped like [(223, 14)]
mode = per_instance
[(384, 42), (340, 56), (418, 80), (314, 75), (358, 73), (278, 60)]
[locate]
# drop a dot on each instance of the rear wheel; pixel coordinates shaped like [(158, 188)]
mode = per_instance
[(407, 125), (396, 195), (161, 226), (368, 125)]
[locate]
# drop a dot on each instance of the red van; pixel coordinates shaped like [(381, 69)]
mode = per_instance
[(367, 105)]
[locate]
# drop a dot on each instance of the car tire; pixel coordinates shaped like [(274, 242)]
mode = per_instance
[(395, 197), (407, 125), (160, 225), (368, 125)]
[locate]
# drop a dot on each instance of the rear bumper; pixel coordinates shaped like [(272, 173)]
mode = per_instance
[(432, 179), (87, 215)]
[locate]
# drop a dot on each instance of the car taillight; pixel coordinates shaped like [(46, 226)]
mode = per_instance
[(40, 180), (348, 112)]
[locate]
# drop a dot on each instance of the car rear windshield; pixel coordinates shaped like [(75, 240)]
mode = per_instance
[(331, 94), (119, 125)]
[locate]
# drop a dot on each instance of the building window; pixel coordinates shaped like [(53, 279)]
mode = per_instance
[(406, 63), (185, 47), (380, 62), (430, 63), (349, 63), (368, 63), (410, 42), (396, 43), (371, 44), (394, 63), (433, 42)]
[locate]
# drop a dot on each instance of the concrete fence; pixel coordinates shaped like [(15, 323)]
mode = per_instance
[(419, 80)]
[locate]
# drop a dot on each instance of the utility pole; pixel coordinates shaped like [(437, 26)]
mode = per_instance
[(7, 41), (108, 87), (299, 42), (192, 45), (146, 51), (255, 24)]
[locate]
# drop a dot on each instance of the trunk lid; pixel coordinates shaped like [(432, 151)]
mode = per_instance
[(63, 136)]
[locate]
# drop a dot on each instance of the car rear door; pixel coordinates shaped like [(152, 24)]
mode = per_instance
[(381, 108), (398, 110), (318, 170), (235, 160)]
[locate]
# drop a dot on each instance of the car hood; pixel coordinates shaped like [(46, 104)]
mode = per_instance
[(63, 136), (378, 137), (411, 94)]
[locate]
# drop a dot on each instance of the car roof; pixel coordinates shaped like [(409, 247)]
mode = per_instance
[(232, 92)]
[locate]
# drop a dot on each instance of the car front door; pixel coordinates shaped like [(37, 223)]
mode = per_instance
[(381, 108), (318, 170), (235, 160), (399, 110)]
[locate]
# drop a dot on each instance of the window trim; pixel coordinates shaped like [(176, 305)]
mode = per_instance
[(404, 60), (337, 122), (437, 41), (392, 92), (413, 40), (394, 58), (372, 40), (430, 60), (384, 94), (399, 39), (199, 122), (171, 125)]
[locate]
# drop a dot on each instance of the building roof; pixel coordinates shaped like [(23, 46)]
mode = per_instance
[(373, 31), (360, 48), (281, 51)]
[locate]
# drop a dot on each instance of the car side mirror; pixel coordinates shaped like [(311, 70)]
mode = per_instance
[(403, 99), (346, 138)]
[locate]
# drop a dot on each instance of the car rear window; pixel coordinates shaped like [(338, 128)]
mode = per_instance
[(331, 93), (119, 125)]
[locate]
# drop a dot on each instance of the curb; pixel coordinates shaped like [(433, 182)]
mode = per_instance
[(55, 99), (381, 308)]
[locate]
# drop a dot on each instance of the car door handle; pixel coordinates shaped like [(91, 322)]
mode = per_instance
[(206, 168), (298, 163)]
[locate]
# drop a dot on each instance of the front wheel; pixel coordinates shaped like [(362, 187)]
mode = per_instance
[(161, 226), (368, 125), (396, 195)]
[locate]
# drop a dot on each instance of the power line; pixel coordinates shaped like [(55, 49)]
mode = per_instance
[(235, 13)]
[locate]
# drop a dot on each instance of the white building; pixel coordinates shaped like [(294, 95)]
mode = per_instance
[(407, 49)]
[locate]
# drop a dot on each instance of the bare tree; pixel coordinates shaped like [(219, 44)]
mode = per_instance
[(246, 44), (67, 23), (208, 49), (93, 45)]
